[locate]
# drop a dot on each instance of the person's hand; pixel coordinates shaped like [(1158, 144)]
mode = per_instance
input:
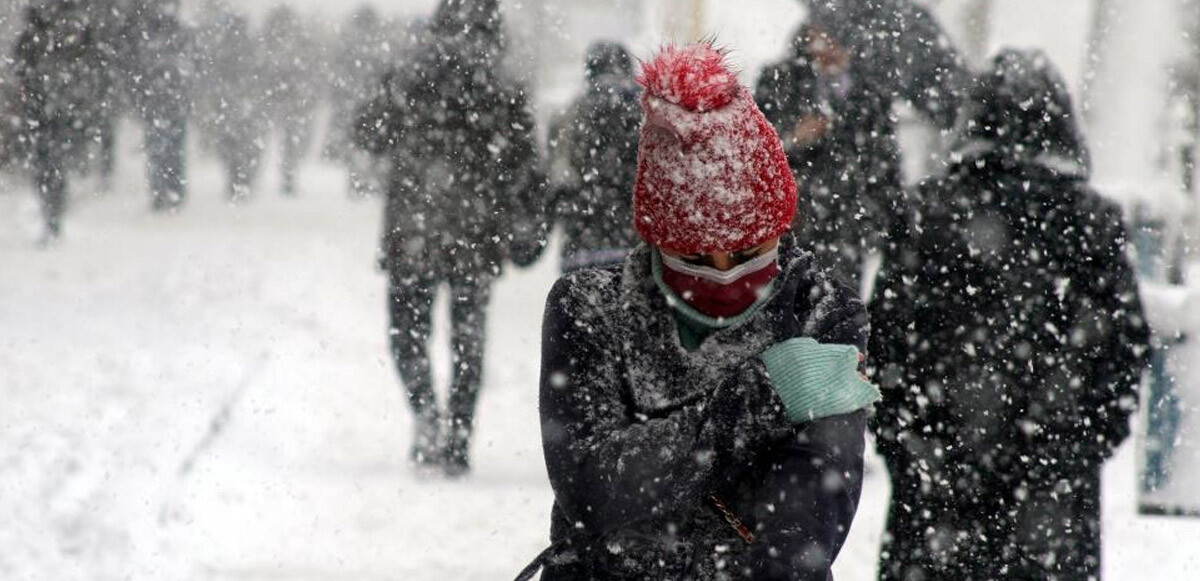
[(809, 129), (526, 243), (381, 260), (784, 323)]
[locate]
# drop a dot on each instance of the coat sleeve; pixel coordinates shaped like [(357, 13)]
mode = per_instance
[(821, 471), (820, 465), (377, 125), (25, 64), (892, 314), (610, 467), (388, 126), (515, 147), (1123, 349)]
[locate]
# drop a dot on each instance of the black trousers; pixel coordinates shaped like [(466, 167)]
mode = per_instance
[(165, 132), (241, 150), (410, 305), (49, 176), (296, 129)]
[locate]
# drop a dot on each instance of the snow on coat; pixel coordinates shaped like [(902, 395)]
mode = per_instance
[(638, 432), (464, 160), (599, 140), (1009, 340), (61, 77), (157, 56)]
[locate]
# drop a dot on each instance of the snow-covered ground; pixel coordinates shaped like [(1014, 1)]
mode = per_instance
[(207, 396)]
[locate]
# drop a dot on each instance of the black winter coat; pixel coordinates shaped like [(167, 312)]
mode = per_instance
[(62, 80), (157, 56), (464, 161), (1010, 342), (231, 94), (289, 76), (638, 432), (595, 209)]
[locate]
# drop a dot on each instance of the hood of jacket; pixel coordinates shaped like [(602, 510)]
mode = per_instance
[(1019, 113)]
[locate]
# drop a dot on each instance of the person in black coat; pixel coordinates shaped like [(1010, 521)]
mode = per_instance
[(597, 141), (702, 412), (288, 79), (62, 83), (231, 101), (361, 52), (1009, 342), (831, 99), (157, 56), (459, 135), (104, 17)]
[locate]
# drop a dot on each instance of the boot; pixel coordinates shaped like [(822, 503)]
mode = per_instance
[(455, 462), (426, 451)]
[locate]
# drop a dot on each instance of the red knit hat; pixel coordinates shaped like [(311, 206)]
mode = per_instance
[(711, 175)]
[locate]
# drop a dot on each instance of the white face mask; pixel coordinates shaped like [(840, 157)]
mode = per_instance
[(723, 277)]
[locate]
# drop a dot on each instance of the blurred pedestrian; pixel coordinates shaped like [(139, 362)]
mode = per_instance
[(832, 100), (1009, 340), (459, 134), (105, 20), (231, 101), (61, 88), (158, 59), (289, 65), (597, 140), (702, 412), (361, 55)]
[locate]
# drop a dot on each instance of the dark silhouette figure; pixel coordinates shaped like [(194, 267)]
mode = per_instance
[(597, 141), (832, 101), (1010, 342), (61, 84), (289, 71), (231, 102), (363, 53), (460, 139), (158, 61)]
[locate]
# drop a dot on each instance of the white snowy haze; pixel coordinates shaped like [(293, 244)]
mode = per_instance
[(209, 394)]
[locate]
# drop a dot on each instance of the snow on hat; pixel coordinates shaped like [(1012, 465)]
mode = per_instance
[(711, 175)]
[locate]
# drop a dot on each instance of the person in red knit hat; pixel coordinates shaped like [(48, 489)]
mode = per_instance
[(702, 410)]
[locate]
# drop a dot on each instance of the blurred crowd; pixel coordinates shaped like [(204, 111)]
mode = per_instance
[(80, 67)]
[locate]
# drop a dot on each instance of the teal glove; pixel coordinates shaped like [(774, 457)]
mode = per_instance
[(817, 380)]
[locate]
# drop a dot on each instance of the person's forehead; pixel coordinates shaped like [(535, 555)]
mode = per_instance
[(759, 246)]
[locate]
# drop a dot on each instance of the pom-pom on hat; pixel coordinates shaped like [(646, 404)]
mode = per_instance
[(711, 175)]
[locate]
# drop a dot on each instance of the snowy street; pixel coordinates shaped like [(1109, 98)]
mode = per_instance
[(209, 396)]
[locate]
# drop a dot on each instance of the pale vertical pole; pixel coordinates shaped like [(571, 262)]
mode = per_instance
[(977, 24), (682, 20), (1097, 48), (698, 27), (1191, 174)]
